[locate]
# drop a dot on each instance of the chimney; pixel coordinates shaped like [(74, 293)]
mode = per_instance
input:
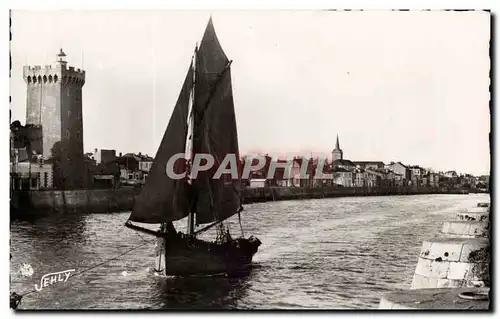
[(120, 155)]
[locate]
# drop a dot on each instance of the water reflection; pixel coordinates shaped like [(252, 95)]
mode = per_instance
[(213, 292), (65, 229)]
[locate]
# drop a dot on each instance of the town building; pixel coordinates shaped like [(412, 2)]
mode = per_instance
[(103, 156), (299, 178), (134, 168), (375, 177), (400, 169), (278, 179), (433, 179), (344, 163), (26, 175), (369, 164), (322, 178), (450, 174), (145, 164), (417, 176), (342, 177), (28, 171), (257, 183)]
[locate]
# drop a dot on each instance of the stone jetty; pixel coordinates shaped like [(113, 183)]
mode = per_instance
[(452, 270), (444, 298)]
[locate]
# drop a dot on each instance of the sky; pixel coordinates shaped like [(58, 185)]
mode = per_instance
[(394, 86)]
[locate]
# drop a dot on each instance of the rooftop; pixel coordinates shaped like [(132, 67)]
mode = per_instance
[(343, 162)]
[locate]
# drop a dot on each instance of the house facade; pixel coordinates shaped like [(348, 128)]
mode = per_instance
[(369, 164), (417, 176), (400, 169), (342, 177), (31, 176)]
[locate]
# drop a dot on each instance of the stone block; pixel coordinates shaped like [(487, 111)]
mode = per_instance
[(456, 228), (469, 229), (421, 282), (478, 210), (426, 248), (432, 269), (441, 250), (450, 283), (460, 271)]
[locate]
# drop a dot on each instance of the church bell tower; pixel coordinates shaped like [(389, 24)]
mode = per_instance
[(337, 153)]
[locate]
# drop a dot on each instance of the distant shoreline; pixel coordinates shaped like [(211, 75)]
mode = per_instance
[(256, 195), (48, 202)]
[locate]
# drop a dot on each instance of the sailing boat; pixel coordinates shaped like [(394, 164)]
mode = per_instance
[(203, 121)]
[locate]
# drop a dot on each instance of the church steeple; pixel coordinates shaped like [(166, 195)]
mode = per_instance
[(337, 153), (337, 145)]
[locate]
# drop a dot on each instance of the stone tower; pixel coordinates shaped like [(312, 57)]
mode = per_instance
[(54, 104), (337, 152)]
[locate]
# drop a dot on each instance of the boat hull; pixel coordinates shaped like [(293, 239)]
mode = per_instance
[(187, 256)]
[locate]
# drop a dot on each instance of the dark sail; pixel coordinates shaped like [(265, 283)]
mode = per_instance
[(163, 199), (214, 130)]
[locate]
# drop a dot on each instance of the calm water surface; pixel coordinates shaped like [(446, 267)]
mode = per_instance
[(321, 253)]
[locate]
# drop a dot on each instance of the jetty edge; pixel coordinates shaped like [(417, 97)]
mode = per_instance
[(453, 270)]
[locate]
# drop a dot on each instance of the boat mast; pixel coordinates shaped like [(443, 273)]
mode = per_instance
[(189, 144)]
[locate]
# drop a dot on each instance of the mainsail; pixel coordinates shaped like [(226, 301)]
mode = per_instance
[(162, 198), (214, 130)]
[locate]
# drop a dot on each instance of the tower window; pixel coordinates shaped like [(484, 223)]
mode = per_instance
[(67, 134)]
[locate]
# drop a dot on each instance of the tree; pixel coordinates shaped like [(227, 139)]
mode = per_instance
[(56, 154)]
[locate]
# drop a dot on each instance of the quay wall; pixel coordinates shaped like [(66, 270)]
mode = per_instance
[(253, 195), (73, 201), (122, 199)]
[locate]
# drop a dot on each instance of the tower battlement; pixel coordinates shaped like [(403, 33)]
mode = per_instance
[(38, 74), (34, 68), (38, 70), (73, 75)]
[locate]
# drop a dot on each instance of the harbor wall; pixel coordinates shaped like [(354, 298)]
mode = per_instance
[(122, 199), (253, 195), (73, 201)]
